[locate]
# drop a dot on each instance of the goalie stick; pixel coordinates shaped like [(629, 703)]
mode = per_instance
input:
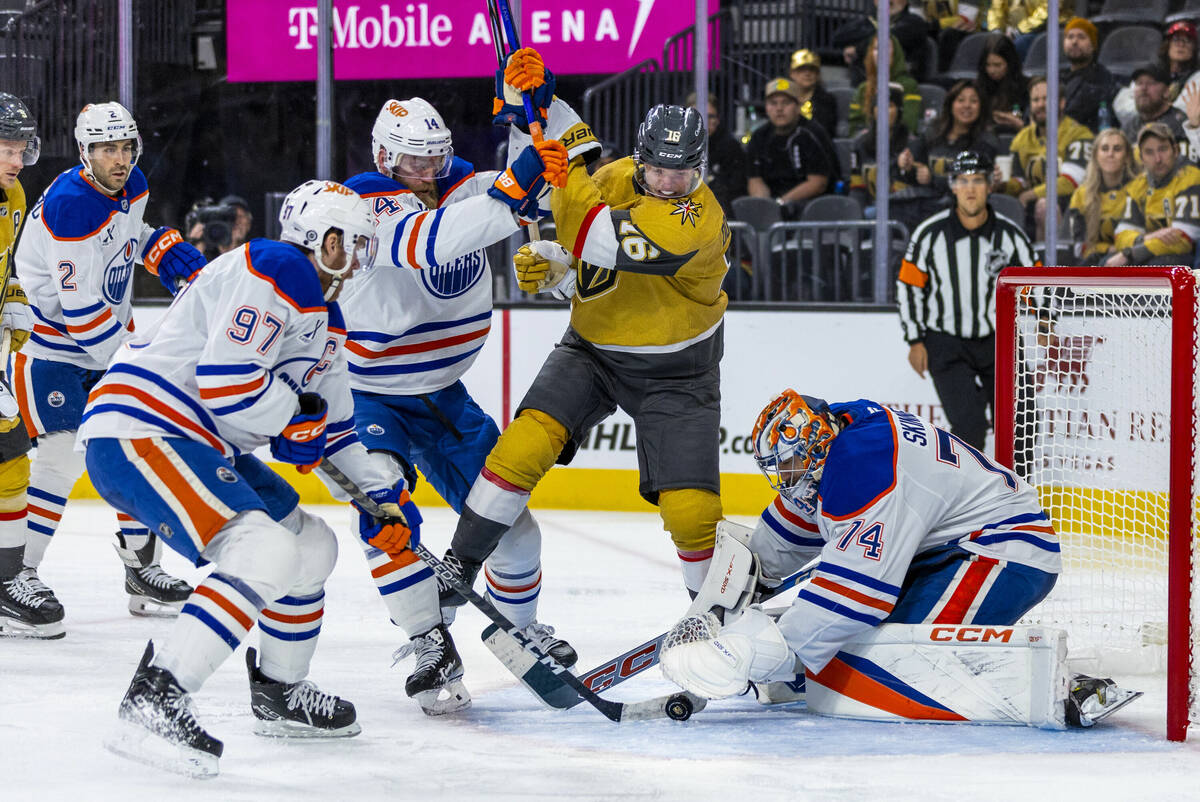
[(614, 671), (541, 671)]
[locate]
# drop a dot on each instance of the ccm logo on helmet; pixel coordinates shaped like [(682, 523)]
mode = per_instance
[(397, 110), (970, 634)]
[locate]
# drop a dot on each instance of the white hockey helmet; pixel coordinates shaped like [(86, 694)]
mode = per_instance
[(105, 122), (315, 207), (791, 438), (411, 127)]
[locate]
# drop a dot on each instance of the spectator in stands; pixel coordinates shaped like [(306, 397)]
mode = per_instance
[(1098, 204), (726, 175), (1002, 85), (1028, 147), (1162, 220), (1085, 83), (1151, 89), (1178, 57), (789, 158), (949, 23), (906, 201), (1023, 20), (1191, 106), (864, 95), (854, 38), (816, 103), (960, 126)]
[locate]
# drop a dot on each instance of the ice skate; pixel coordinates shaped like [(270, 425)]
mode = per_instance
[(542, 636), (782, 692), (1093, 699), (158, 726), (28, 609), (438, 669), (153, 593), (466, 570), (297, 709)]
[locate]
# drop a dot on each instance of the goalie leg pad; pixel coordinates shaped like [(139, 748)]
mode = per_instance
[(733, 572), (974, 674), (715, 662)]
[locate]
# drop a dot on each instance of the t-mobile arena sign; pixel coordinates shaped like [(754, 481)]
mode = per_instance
[(276, 40)]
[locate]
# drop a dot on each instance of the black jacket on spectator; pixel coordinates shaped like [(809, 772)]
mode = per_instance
[(909, 28), (824, 110), (726, 168), (938, 154), (782, 162), (1084, 90)]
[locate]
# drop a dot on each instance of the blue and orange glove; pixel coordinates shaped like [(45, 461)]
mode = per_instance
[(400, 529), (302, 441), (525, 72), (174, 261), (539, 167)]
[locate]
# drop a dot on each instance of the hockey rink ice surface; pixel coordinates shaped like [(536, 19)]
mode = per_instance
[(611, 581)]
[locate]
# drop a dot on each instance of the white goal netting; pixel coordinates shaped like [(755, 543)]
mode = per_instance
[(1093, 374)]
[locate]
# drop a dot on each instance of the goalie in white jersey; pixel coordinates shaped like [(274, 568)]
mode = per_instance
[(76, 259), (251, 352), (909, 526), (416, 323)]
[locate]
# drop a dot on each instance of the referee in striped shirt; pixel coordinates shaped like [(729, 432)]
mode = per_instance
[(947, 290)]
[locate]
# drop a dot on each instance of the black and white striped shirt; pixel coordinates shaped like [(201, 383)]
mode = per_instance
[(948, 277)]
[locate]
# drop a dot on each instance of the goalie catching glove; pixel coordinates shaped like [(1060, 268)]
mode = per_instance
[(529, 177), (701, 656), (544, 266), (525, 72), (400, 529), (16, 316), (174, 261)]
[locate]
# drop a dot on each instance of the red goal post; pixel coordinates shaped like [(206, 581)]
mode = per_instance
[(1096, 407)]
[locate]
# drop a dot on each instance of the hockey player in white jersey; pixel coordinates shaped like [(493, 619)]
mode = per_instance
[(76, 260), (417, 321), (252, 352), (910, 526)]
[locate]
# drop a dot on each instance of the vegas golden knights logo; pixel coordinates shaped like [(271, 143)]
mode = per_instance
[(594, 281)]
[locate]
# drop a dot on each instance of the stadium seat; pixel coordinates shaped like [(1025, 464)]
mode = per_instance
[(1189, 13), (1035, 59), (966, 58), (1137, 11), (932, 96), (1126, 49), (831, 209), (1008, 206), (843, 95), (760, 213)]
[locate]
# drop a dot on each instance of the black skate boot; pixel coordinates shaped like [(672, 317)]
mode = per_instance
[(153, 593), (438, 669), (297, 709), (26, 613), (466, 570), (158, 726), (1093, 699), (542, 636)]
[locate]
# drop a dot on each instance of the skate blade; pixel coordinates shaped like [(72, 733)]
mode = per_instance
[(457, 698), (138, 744), (779, 693), (19, 629), (146, 607), (281, 728), (1128, 697)]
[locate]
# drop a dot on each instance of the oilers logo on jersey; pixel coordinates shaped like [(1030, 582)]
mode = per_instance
[(118, 272), (454, 279)]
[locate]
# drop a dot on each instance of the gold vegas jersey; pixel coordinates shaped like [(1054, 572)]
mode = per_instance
[(1112, 209), (1174, 204), (12, 213), (663, 292), (1074, 150)]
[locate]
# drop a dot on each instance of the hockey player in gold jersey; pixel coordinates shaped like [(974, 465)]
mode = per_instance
[(645, 240), (1161, 223), (24, 611)]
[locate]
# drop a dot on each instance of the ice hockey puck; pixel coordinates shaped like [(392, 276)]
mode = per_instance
[(679, 707)]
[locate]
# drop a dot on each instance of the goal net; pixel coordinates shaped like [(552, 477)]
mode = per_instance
[(1096, 407)]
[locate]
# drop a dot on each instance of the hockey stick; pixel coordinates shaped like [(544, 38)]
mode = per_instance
[(624, 666), (543, 672)]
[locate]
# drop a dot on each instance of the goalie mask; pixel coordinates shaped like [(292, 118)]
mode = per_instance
[(313, 209), (105, 122), (18, 125), (416, 143), (671, 154), (792, 437)]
